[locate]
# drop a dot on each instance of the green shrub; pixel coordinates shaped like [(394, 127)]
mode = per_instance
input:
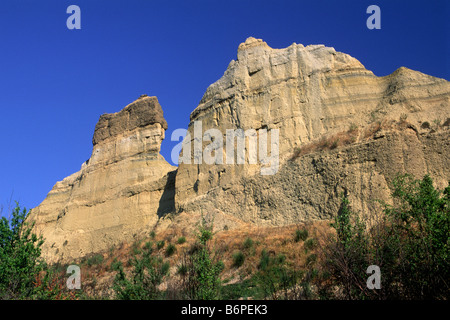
[(165, 267), (160, 244), (202, 281), (20, 262), (410, 243), (148, 246), (248, 243), (23, 273), (238, 259), (115, 265), (276, 280), (264, 260), (310, 244), (94, 260), (182, 269), (311, 259), (170, 250), (143, 283), (300, 235), (181, 240)]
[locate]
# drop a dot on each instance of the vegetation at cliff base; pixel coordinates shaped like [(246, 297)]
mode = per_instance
[(408, 242)]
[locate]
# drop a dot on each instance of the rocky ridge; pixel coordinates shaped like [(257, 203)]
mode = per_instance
[(341, 130)]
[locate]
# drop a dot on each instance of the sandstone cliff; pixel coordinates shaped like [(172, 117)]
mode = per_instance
[(118, 193), (311, 94), (341, 129)]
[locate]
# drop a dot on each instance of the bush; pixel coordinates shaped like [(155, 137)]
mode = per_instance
[(300, 235), (170, 250), (410, 244), (264, 260), (276, 279), (310, 244), (181, 240), (23, 273), (143, 283), (115, 265), (248, 243), (202, 281), (238, 259), (94, 260), (160, 244), (20, 262)]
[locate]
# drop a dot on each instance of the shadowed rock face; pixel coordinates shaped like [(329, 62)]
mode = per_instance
[(341, 129)]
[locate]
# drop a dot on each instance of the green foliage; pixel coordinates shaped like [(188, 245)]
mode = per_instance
[(182, 269), (20, 262), (205, 231), (240, 290), (94, 260), (170, 250), (142, 284), (309, 244), (410, 244), (300, 235), (202, 281), (248, 243), (238, 259), (181, 240), (264, 260), (160, 244), (275, 279), (116, 265), (148, 246)]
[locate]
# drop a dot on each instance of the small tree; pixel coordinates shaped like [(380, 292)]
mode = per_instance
[(410, 244), (202, 281), (142, 284), (20, 262)]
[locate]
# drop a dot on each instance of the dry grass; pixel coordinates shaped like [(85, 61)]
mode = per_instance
[(97, 279), (352, 135), (328, 142)]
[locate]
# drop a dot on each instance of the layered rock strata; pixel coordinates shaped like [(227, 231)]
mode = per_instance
[(306, 93), (121, 191), (340, 130)]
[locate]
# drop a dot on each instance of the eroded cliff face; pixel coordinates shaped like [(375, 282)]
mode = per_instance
[(341, 130), (119, 192), (308, 94)]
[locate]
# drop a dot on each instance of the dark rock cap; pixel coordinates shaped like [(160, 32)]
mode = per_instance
[(140, 113)]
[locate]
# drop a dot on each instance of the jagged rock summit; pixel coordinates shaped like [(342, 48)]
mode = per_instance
[(341, 130)]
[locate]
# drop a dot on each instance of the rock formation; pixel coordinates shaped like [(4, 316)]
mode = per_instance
[(118, 193), (309, 94), (341, 130)]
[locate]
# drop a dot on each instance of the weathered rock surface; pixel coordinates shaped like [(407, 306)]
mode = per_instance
[(309, 93), (341, 129), (119, 192)]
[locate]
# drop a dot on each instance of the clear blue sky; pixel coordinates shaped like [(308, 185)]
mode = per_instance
[(55, 82)]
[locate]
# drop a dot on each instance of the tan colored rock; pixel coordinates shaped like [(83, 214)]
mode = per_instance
[(307, 93), (341, 130), (119, 192)]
